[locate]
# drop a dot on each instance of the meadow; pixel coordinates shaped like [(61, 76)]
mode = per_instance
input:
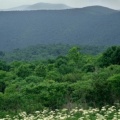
[(105, 113)]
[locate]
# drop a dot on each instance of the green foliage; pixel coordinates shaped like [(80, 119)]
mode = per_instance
[(50, 94), (67, 81), (4, 66), (81, 90), (89, 68), (71, 77), (111, 56), (74, 54), (3, 74), (46, 52), (61, 61), (114, 83), (33, 79), (23, 71), (2, 87), (13, 102), (101, 93), (53, 75), (40, 70)]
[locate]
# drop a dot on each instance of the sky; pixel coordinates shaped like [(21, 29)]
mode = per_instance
[(115, 4)]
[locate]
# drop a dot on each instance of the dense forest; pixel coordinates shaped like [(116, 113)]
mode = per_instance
[(45, 52), (69, 80)]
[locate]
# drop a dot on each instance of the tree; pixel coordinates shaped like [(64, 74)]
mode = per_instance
[(114, 83), (110, 56), (23, 71), (62, 66), (4, 66), (2, 86), (74, 54), (61, 61), (40, 70), (53, 75)]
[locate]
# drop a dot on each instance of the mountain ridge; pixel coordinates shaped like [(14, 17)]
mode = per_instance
[(20, 29), (40, 6)]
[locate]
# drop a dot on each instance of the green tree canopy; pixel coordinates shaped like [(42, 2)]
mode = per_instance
[(110, 56)]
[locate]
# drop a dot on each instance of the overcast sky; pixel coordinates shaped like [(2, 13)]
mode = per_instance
[(115, 4)]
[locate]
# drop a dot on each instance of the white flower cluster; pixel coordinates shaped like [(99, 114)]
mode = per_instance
[(105, 113)]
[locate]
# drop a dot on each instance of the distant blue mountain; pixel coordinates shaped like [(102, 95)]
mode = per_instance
[(93, 25), (100, 10), (41, 6), (23, 7)]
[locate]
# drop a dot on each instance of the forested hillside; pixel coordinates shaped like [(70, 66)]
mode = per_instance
[(73, 80), (86, 26), (45, 52)]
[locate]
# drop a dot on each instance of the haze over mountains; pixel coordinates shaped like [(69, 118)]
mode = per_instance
[(40, 6), (93, 25)]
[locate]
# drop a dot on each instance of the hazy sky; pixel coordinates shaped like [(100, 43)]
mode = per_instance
[(74, 3)]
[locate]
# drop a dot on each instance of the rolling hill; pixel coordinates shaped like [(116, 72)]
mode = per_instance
[(19, 8), (40, 6), (93, 25)]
